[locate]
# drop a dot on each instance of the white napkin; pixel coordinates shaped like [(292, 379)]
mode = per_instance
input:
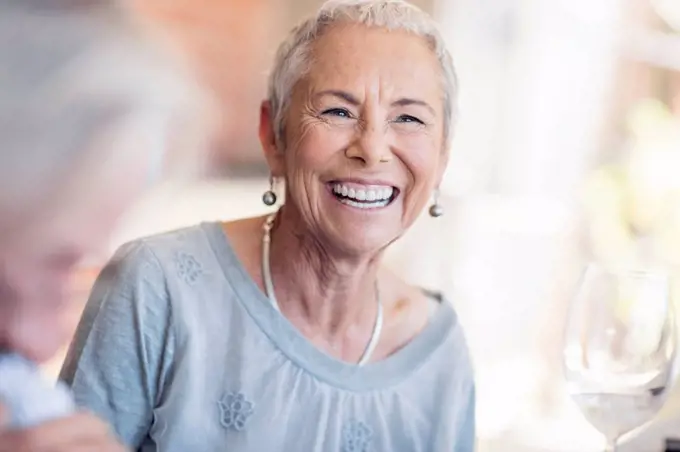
[(31, 400)]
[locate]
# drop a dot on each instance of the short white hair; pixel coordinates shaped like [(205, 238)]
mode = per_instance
[(293, 57), (72, 70)]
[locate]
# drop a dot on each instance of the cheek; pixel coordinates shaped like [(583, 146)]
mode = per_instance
[(315, 146), (423, 159), (37, 284), (33, 302), (36, 335), (95, 223)]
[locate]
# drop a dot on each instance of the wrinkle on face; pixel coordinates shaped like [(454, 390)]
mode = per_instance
[(388, 84)]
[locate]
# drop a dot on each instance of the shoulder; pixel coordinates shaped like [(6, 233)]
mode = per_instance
[(412, 313), (457, 341), (166, 246), (184, 252), (193, 275), (453, 356), (147, 275), (137, 278), (138, 297)]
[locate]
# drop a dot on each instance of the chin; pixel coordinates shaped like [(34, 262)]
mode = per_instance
[(361, 242), (360, 230)]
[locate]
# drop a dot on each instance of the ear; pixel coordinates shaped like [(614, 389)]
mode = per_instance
[(272, 153)]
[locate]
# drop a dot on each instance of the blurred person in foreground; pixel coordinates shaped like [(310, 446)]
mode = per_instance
[(285, 332), (88, 104)]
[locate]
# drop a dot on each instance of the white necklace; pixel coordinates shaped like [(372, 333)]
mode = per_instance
[(269, 290)]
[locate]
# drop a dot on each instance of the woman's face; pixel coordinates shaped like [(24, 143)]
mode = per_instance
[(40, 250), (364, 142)]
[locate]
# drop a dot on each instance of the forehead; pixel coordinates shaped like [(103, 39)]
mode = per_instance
[(78, 214), (81, 222), (359, 58)]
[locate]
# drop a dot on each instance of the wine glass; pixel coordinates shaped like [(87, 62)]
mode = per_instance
[(619, 348)]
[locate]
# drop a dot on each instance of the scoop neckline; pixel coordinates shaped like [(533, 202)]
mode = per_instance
[(285, 336)]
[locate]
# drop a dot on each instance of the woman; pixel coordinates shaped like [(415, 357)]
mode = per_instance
[(285, 332), (87, 106)]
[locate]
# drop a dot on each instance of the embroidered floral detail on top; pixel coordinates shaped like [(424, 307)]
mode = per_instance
[(235, 410), (188, 268), (356, 437)]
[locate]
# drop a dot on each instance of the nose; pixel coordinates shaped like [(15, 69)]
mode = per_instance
[(371, 146)]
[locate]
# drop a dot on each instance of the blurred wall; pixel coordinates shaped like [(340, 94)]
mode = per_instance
[(231, 43)]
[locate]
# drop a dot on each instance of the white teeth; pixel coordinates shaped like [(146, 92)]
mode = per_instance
[(371, 197), (364, 205)]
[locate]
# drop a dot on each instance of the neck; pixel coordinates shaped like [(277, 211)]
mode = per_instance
[(330, 291)]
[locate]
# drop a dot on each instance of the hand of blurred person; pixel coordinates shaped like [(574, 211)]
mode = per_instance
[(81, 432)]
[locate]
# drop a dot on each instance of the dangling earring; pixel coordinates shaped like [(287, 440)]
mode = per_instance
[(269, 197), (436, 209)]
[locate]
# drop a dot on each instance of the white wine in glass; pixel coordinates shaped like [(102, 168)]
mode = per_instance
[(619, 348)]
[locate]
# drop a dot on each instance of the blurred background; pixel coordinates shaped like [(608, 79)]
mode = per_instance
[(567, 149)]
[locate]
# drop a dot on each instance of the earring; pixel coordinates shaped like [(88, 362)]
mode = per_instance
[(436, 209), (269, 197)]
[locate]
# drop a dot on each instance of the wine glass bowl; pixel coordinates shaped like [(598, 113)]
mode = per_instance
[(620, 344)]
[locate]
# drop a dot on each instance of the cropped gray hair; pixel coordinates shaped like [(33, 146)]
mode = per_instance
[(293, 57), (71, 71)]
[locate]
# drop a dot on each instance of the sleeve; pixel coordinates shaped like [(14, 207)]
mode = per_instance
[(467, 428), (122, 351)]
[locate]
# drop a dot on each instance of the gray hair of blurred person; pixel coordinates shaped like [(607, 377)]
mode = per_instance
[(74, 73), (294, 56)]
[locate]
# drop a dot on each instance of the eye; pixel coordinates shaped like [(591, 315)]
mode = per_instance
[(408, 119), (339, 112)]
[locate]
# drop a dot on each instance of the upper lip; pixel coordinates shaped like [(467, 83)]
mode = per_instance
[(367, 182)]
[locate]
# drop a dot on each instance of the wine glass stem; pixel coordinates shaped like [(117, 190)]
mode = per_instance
[(611, 445)]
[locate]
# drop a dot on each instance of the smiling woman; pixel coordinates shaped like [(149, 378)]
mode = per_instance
[(292, 317)]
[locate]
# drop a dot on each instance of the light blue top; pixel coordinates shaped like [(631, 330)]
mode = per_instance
[(180, 351)]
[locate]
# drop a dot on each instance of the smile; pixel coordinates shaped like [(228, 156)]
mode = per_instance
[(363, 196)]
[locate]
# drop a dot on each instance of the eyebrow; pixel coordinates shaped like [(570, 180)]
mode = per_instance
[(404, 102), (349, 98), (344, 95)]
